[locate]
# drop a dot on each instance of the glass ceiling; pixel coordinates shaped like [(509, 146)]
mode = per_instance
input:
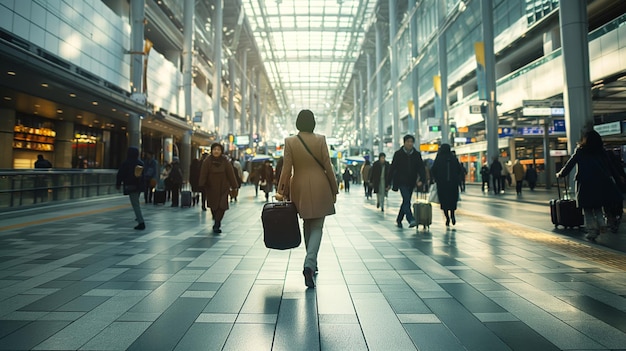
[(309, 48)]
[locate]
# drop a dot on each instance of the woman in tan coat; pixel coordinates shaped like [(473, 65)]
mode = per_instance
[(217, 177), (313, 188)]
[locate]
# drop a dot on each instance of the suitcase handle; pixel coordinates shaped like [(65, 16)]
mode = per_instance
[(565, 191)]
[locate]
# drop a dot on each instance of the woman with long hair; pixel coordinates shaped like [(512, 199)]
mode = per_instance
[(446, 171)]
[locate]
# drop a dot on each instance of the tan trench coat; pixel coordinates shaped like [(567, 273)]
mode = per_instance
[(312, 191), (217, 177)]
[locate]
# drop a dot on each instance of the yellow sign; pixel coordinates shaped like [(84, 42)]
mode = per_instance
[(463, 129), (411, 106), (429, 147)]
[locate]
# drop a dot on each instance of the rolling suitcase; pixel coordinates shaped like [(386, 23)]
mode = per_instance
[(159, 197), (281, 228), (564, 210), (185, 198), (423, 211)]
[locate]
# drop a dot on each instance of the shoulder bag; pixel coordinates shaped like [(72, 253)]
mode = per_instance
[(315, 158)]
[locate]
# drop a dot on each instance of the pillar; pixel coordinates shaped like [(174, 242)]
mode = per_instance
[(577, 93), (244, 89), (443, 72), (393, 66), (379, 86), (361, 114), (217, 63), (188, 30), (7, 123), (414, 121), (370, 103), (63, 144), (136, 69), (355, 92), (491, 117)]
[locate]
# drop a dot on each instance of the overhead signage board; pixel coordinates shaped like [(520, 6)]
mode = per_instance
[(536, 103), (609, 128), (537, 111), (559, 125), (558, 152), (461, 140), (558, 111), (476, 109), (242, 140), (429, 147)]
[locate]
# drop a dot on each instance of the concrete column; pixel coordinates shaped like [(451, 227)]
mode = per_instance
[(546, 153), (414, 121), (217, 63), (252, 106), (551, 40), (231, 95), (63, 144), (577, 94), (491, 118), (443, 73), (257, 79), (136, 68), (188, 31), (361, 114), (7, 123), (379, 86), (370, 103), (393, 64), (355, 94), (244, 89)]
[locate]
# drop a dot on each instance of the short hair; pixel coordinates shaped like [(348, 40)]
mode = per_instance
[(305, 121), (214, 145), (409, 136), (382, 154)]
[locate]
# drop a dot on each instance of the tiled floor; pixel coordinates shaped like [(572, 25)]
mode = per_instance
[(81, 278)]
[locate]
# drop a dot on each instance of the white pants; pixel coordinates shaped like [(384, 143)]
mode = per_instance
[(313, 228)]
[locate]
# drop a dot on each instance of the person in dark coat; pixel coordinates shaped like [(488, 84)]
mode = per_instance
[(133, 185), (496, 175), (150, 176), (407, 171), (267, 179), (531, 177), (379, 180), (217, 176), (176, 181), (594, 187), (446, 171), (42, 162), (347, 177), (194, 180), (484, 176)]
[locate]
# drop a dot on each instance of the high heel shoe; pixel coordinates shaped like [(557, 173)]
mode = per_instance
[(308, 277)]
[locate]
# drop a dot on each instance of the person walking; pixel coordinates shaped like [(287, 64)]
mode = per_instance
[(365, 175), (194, 180), (176, 180), (239, 176), (518, 173), (445, 172), (496, 175), (313, 188), (484, 177), (379, 180), (267, 179), (407, 171), (462, 177), (347, 176), (42, 162), (531, 177), (150, 176), (130, 175), (595, 186), (217, 176)]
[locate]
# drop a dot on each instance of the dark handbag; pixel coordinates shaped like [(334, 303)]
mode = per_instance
[(281, 228)]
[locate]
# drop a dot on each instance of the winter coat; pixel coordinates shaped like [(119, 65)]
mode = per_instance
[(446, 171), (176, 175), (594, 188), (531, 175), (518, 172), (375, 174), (365, 173), (267, 175), (217, 177), (194, 175), (126, 173), (406, 168), (312, 189), (496, 169)]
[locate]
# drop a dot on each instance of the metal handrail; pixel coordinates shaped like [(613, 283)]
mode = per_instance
[(23, 188)]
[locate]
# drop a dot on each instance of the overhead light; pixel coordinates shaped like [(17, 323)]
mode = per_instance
[(45, 85), (95, 103), (72, 95), (11, 73), (113, 109), (8, 98), (36, 112), (79, 116), (59, 111)]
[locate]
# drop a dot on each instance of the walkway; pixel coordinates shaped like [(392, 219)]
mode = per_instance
[(81, 278)]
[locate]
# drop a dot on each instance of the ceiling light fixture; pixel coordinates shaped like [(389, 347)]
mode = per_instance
[(95, 103), (45, 85), (72, 95), (11, 73)]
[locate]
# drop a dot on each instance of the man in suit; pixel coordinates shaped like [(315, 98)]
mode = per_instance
[(313, 188), (406, 172)]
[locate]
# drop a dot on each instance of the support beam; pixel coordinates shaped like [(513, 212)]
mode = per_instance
[(137, 17), (491, 117), (217, 63)]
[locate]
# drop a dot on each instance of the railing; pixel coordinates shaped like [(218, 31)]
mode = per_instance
[(31, 187)]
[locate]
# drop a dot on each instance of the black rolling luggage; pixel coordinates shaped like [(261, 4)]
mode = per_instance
[(564, 210), (281, 228), (159, 197)]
